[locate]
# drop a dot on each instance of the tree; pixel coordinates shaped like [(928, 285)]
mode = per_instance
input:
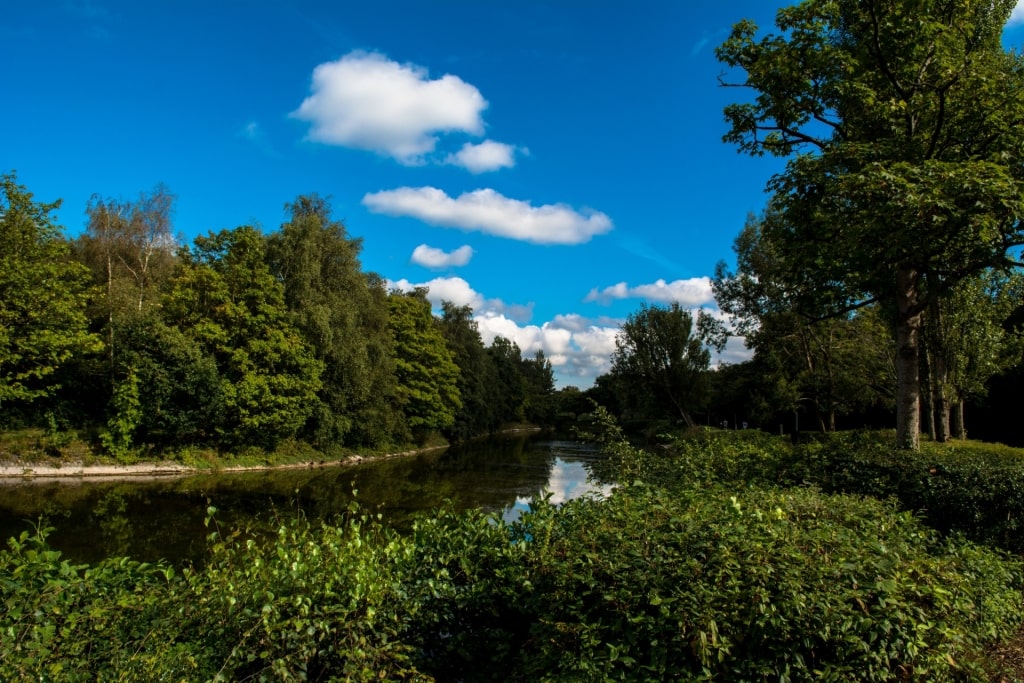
[(660, 362), (130, 247), (478, 383), (428, 390), (43, 294), (968, 344), (340, 315), (833, 365), (539, 382), (902, 124), (225, 299), (507, 359)]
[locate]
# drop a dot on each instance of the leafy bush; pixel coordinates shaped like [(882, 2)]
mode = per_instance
[(755, 585), (971, 488), (676, 576)]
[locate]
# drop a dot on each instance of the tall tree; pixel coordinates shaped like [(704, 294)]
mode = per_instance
[(478, 382), (428, 390), (833, 365), (43, 294), (507, 359), (340, 315), (539, 379), (902, 122), (130, 247), (660, 361), (968, 344), (226, 300)]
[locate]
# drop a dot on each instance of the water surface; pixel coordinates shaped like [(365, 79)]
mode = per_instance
[(164, 518)]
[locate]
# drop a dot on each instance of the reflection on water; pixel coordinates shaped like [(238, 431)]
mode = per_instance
[(568, 480), (164, 518)]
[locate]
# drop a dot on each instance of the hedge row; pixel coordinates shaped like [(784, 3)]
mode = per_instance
[(972, 488)]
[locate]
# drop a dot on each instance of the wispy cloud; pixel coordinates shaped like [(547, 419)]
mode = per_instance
[(255, 135), (692, 292), (431, 257), (489, 212), (486, 156), (366, 101)]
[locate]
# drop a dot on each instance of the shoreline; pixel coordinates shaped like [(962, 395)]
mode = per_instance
[(26, 473)]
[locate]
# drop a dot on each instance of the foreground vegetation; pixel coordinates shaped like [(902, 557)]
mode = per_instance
[(698, 567)]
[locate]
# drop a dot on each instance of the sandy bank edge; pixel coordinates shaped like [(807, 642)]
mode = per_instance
[(14, 473)]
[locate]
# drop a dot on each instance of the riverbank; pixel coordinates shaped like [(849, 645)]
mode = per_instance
[(77, 461), (24, 472)]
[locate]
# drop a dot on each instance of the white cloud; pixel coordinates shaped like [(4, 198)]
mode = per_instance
[(693, 292), (486, 156), (453, 289), (489, 212), (579, 348), (366, 101), (1017, 15), (458, 291), (431, 257), (735, 351)]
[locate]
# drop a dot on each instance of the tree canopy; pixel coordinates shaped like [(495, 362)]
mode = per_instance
[(902, 124), (660, 363), (43, 296)]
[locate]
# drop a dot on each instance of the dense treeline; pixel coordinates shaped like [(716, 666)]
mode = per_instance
[(241, 339)]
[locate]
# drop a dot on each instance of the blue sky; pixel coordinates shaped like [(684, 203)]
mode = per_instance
[(552, 164)]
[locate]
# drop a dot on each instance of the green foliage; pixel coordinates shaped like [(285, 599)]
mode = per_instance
[(904, 175), (831, 366), (660, 363), (42, 298), (680, 575), (343, 318), (479, 388), (760, 585), (425, 366), (225, 299), (125, 418)]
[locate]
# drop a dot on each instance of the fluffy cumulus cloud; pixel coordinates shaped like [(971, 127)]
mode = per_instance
[(431, 257), (579, 348), (489, 212), (365, 100), (693, 292), (486, 156), (453, 289), (1017, 16)]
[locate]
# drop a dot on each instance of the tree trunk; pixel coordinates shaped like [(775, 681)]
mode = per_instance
[(959, 427), (908, 380), (938, 379), (927, 410)]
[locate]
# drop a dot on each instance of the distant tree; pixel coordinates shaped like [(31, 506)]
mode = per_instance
[(43, 295), (334, 304), (507, 358), (129, 246), (660, 363), (967, 343), (478, 383), (428, 390), (539, 382), (177, 383), (901, 121), (225, 299)]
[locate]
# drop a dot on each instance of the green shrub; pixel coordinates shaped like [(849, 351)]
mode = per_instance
[(971, 488), (758, 585)]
